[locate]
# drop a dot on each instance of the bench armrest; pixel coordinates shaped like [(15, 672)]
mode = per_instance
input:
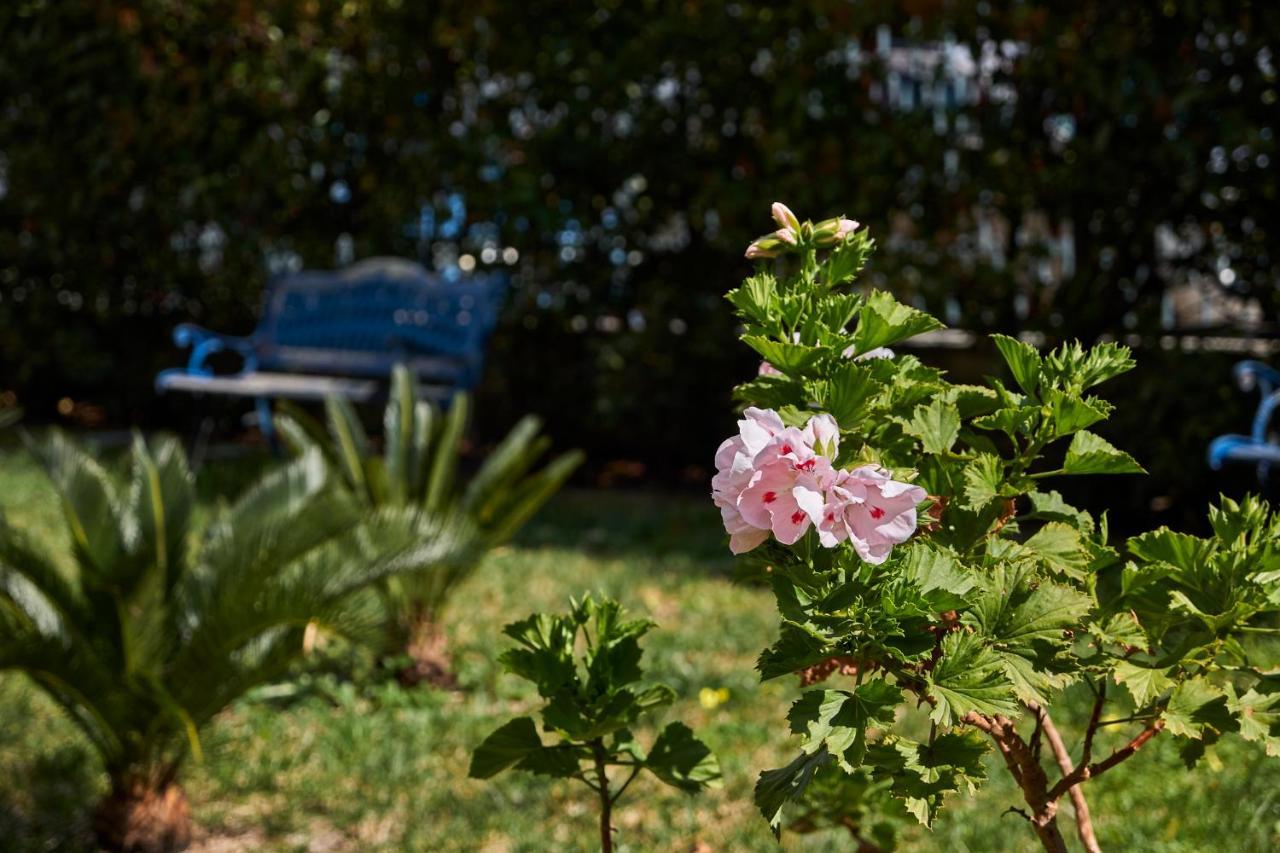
[(1255, 374), (204, 343)]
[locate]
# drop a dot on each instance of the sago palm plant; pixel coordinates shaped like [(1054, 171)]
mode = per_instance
[(147, 628), (418, 470)]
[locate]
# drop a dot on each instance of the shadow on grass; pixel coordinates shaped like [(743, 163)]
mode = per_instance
[(621, 524)]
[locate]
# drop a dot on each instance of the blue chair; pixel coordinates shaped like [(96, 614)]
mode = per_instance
[(340, 333), (1257, 447)]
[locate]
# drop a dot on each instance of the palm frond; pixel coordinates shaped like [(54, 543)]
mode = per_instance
[(89, 500), (20, 556), (398, 437), (532, 493), (444, 461), (351, 442)]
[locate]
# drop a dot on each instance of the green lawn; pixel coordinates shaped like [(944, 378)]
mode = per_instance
[(322, 763)]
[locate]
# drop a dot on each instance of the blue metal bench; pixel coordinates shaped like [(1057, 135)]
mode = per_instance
[(326, 333), (1257, 447)]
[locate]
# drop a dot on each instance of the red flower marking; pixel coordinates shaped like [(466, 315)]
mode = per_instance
[(797, 517), (807, 465), (770, 497), (877, 513), (786, 448)]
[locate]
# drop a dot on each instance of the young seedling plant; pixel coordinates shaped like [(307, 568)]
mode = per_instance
[(593, 698), (916, 547)]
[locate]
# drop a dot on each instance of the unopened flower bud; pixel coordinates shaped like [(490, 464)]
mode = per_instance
[(784, 217), (834, 231), (786, 235)]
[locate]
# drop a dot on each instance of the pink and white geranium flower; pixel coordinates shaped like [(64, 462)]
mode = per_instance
[(780, 480)]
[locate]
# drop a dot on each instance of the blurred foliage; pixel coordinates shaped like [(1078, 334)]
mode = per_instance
[(158, 158)]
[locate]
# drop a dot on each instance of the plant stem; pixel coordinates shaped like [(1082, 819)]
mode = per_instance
[(606, 801), (1084, 823)]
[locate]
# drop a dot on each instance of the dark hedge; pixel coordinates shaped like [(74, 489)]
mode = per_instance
[(159, 157)]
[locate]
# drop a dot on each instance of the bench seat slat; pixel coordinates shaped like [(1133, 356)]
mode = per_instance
[(289, 386)]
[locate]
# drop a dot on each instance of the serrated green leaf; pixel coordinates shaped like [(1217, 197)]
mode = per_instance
[(1182, 550), (775, 788), (883, 321), (1024, 624), (1011, 420), (1092, 454), (1069, 413), (983, 477), (1023, 360), (756, 298), (682, 761), (1143, 683), (938, 574), (937, 425), (1050, 506), (1062, 549), (846, 394), (969, 676), (837, 720), (1258, 713), (797, 647), (792, 359), (508, 745), (1196, 705)]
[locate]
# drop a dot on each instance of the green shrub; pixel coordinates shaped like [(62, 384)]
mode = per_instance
[(148, 628), (591, 704), (914, 538), (417, 471)]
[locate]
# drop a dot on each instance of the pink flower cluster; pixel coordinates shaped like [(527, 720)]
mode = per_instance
[(772, 478)]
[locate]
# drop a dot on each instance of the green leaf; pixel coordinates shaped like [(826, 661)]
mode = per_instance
[(884, 321), (775, 788), (397, 434), (444, 459), (969, 676), (1062, 549), (838, 719), (1069, 413), (1051, 507), (791, 359), (1024, 624), (546, 656), (556, 762), (682, 761), (509, 745), (1072, 366), (1143, 683), (983, 478), (1092, 454), (937, 425), (797, 647), (351, 440), (938, 574), (1011, 420), (1258, 712), (1186, 552), (774, 392), (1195, 706), (756, 299), (846, 394), (922, 774), (1023, 360)]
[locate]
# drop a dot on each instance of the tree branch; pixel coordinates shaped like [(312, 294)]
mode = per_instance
[(1084, 823), (1090, 771)]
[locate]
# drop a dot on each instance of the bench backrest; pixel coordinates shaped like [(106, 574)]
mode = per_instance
[(364, 319)]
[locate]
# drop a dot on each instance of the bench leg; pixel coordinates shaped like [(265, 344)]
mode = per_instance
[(200, 446), (267, 424)]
